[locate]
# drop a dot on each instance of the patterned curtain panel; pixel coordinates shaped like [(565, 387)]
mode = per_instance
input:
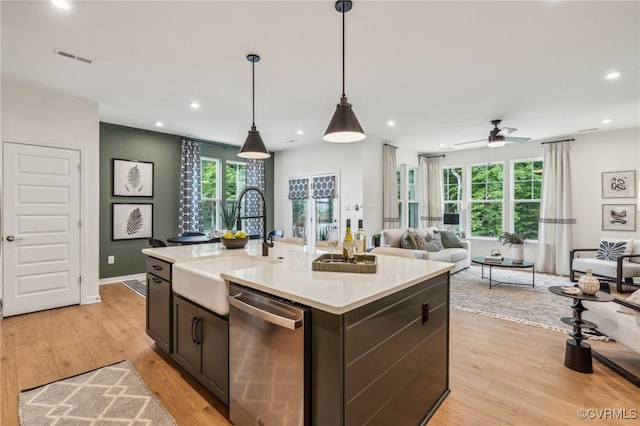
[(390, 218), (431, 191), (252, 201), (555, 226), (298, 189), (323, 186), (190, 213)]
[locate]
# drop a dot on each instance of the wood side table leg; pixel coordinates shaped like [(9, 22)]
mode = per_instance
[(577, 355)]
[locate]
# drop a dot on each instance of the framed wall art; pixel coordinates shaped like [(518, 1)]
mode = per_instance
[(618, 217), (132, 221), (619, 184), (132, 178)]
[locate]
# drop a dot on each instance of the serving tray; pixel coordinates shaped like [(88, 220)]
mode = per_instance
[(325, 263)]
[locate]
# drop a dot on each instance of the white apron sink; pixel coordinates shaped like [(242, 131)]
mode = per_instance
[(200, 281)]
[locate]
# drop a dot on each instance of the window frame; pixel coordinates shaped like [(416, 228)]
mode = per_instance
[(471, 202), (513, 200), (218, 189)]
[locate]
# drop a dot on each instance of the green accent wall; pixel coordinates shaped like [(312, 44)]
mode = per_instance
[(164, 151)]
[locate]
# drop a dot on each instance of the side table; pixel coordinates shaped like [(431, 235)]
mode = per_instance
[(577, 354)]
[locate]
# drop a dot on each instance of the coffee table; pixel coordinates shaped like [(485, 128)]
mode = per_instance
[(506, 263)]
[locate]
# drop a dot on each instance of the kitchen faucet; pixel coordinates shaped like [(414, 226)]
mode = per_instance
[(265, 244)]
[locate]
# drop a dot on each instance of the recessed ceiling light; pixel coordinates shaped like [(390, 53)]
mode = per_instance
[(300, 132), (606, 121), (194, 105), (62, 4), (441, 145), (391, 123), (159, 124), (612, 75)]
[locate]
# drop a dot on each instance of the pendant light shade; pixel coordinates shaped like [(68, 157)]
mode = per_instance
[(496, 141), (344, 126), (253, 146)]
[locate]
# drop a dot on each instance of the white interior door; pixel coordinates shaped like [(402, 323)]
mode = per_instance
[(40, 228)]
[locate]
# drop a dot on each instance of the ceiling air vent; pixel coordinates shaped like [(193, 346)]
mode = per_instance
[(588, 130), (70, 55)]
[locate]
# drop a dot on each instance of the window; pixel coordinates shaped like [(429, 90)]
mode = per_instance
[(210, 191), (527, 187), (407, 187), (314, 207), (452, 182), (412, 198), (235, 181), (486, 200)]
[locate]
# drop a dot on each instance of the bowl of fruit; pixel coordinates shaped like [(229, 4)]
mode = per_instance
[(234, 241)]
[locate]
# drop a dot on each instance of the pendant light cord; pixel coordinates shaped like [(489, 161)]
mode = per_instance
[(343, 67), (253, 91)]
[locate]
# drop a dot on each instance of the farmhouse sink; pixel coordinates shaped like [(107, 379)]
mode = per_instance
[(200, 281)]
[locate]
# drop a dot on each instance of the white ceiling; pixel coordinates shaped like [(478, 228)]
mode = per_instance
[(441, 70)]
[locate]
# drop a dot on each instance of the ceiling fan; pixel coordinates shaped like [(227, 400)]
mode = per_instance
[(498, 136)]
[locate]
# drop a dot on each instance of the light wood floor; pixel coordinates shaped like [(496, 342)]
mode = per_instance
[(500, 373)]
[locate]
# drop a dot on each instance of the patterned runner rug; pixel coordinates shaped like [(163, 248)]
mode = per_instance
[(535, 306), (138, 286), (107, 396)]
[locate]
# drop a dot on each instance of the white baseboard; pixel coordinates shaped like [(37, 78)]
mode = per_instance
[(142, 277)]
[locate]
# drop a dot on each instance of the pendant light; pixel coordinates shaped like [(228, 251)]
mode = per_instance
[(344, 126), (253, 147)]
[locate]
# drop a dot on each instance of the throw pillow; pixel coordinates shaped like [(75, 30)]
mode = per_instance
[(420, 239), (612, 249), (449, 239), (428, 242), (407, 241), (635, 299)]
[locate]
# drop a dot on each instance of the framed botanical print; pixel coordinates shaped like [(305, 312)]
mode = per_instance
[(619, 184), (132, 221), (132, 178), (618, 217)]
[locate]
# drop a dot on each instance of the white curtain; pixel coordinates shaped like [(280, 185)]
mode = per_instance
[(390, 218), (431, 191), (556, 221), (190, 210)]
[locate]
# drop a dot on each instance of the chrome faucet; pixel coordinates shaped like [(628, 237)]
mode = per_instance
[(265, 244)]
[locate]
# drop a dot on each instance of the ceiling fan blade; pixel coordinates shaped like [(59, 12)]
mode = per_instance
[(506, 131), (465, 143), (512, 139)]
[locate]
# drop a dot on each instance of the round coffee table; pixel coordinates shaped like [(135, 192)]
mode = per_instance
[(506, 263), (577, 354)]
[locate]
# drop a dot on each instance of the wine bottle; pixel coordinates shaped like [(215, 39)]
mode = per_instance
[(348, 244), (361, 239)]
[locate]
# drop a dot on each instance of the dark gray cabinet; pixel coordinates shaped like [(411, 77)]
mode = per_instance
[(159, 302), (201, 346)]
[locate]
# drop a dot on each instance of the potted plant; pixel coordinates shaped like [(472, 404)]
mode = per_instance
[(230, 215), (375, 240), (516, 244)]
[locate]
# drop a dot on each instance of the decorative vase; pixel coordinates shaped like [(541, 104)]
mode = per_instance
[(588, 283), (517, 253)]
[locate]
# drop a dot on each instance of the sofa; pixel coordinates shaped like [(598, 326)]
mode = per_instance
[(615, 259), (391, 240)]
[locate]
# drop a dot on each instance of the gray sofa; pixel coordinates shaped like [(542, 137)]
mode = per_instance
[(460, 257)]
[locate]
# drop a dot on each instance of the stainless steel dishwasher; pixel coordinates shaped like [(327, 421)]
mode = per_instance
[(268, 360)]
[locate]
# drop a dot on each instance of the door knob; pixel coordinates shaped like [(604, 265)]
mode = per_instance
[(12, 238)]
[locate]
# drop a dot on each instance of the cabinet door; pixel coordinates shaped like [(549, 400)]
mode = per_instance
[(185, 345), (214, 361), (159, 311)]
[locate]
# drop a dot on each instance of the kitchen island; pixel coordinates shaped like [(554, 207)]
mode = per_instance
[(378, 343)]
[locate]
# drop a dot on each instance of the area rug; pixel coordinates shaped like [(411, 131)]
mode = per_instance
[(138, 286), (535, 306), (112, 395)]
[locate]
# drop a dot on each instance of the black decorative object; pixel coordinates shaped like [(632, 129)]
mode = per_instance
[(132, 178), (253, 146), (132, 221), (344, 126), (451, 219)]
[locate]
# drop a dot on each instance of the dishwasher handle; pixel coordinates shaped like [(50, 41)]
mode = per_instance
[(274, 318)]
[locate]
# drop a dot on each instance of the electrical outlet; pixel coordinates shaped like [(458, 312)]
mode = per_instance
[(111, 260)]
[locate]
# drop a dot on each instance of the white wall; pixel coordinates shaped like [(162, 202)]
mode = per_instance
[(359, 166), (34, 115)]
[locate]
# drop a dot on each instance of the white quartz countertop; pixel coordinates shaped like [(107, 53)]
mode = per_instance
[(292, 277)]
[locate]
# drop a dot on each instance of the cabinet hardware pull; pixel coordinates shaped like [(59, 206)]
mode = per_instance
[(157, 280), (157, 268), (198, 331), (193, 331)]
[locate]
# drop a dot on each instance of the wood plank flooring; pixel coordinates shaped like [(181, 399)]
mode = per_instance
[(501, 373)]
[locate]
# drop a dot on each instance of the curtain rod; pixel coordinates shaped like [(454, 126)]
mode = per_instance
[(563, 140), (431, 156), (221, 144), (392, 146)]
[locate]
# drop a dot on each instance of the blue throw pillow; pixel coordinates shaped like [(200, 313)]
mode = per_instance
[(611, 250)]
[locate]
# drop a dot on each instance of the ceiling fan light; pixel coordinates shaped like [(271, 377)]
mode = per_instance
[(496, 141), (253, 146), (344, 126)]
